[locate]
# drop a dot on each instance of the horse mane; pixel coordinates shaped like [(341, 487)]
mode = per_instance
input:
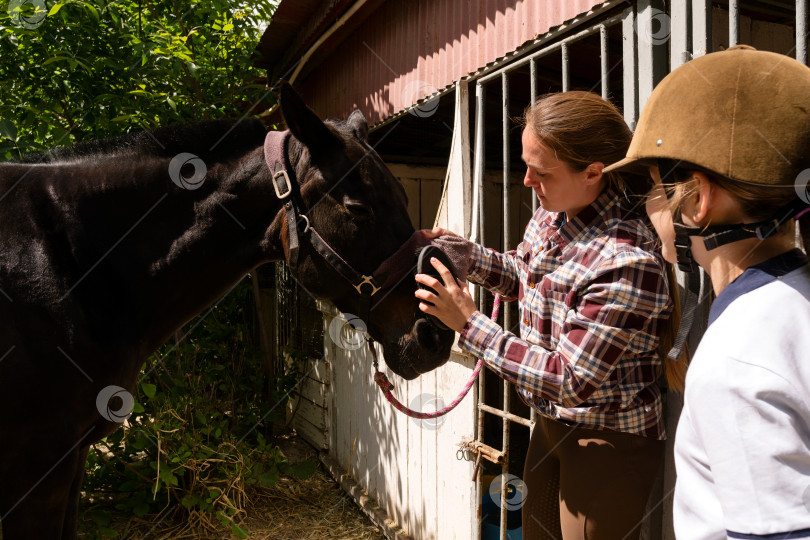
[(223, 137)]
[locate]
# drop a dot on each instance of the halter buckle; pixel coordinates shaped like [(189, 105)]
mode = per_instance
[(286, 184), (370, 281)]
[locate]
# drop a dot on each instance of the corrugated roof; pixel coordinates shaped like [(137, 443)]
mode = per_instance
[(387, 59)]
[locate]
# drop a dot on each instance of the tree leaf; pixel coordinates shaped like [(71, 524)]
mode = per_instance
[(8, 129), (149, 389), (304, 470), (53, 59), (92, 10), (239, 531), (269, 478)]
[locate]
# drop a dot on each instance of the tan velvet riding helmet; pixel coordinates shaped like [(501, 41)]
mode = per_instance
[(742, 114)]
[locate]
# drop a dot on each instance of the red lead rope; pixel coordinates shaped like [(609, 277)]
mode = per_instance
[(386, 386)]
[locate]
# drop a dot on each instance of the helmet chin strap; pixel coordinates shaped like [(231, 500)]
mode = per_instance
[(714, 237)]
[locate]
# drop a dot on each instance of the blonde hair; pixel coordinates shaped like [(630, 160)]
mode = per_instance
[(582, 128), (757, 203)]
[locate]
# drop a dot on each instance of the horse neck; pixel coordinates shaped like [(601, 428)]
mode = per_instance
[(189, 247)]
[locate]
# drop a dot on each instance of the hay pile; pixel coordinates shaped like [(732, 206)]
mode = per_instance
[(293, 509), (312, 509)]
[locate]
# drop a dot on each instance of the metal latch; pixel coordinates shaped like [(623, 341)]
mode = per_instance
[(480, 450)]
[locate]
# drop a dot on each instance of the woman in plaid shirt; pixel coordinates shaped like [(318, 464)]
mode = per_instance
[(594, 304)]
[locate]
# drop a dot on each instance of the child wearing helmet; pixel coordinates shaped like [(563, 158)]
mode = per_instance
[(594, 305), (726, 140)]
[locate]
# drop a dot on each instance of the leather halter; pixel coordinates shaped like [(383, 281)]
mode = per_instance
[(276, 153)]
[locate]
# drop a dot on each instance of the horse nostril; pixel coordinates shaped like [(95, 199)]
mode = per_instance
[(430, 337)]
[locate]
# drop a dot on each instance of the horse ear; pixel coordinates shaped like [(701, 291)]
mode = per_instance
[(302, 122), (359, 125)]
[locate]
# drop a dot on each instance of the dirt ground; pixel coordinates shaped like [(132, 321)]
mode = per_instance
[(312, 509)]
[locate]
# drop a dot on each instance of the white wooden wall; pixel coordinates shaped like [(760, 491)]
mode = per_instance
[(410, 467)]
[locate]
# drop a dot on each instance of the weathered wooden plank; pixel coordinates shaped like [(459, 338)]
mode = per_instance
[(415, 525), (411, 186), (341, 403), (457, 506), (314, 390), (398, 453), (318, 369), (431, 400), (367, 447), (430, 195), (313, 434), (314, 413)]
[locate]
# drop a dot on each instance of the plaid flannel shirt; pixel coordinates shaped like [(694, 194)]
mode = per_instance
[(593, 300)]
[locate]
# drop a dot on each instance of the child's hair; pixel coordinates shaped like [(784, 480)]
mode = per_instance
[(582, 128)]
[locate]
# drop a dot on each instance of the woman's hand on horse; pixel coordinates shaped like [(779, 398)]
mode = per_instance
[(436, 232), (452, 303)]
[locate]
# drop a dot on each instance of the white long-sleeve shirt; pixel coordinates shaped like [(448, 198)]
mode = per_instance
[(742, 448)]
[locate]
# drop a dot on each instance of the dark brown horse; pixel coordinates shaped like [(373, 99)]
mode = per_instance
[(108, 247)]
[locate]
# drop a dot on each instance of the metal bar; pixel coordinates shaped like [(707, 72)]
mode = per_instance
[(506, 311), (507, 171), (533, 91), (480, 157), (680, 42), (801, 31), (651, 52), (480, 436), (507, 415), (566, 77), (478, 180), (701, 27), (733, 23), (605, 60), (629, 67), (644, 51), (551, 48), (505, 464), (478, 200), (477, 397)]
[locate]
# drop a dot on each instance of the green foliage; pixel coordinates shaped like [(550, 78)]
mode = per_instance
[(79, 70), (91, 69), (197, 435)]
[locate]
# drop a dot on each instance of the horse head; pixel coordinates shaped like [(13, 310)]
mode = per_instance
[(358, 208)]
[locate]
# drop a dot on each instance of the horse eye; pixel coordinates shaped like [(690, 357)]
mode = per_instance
[(357, 208)]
